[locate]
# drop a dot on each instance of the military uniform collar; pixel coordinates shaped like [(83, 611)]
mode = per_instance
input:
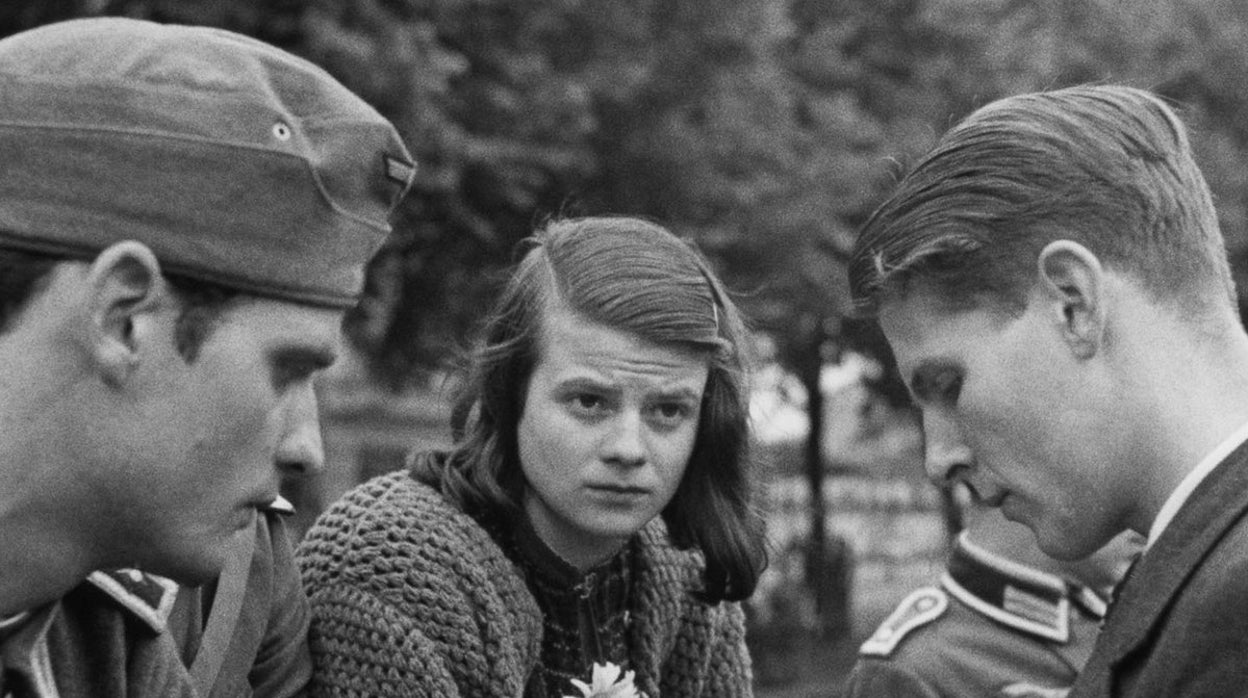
[(1016, 595), (24, 651), (145, 595), (150, 596)]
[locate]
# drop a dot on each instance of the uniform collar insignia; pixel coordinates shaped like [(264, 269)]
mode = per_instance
[(921, 607), (147, 596), (1013, 594)]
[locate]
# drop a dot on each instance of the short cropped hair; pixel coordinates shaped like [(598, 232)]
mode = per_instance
[(635, 277), (1108, 167), (24, 274)]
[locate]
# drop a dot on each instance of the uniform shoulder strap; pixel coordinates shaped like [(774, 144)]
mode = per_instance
[(921, 607), (227, 605)]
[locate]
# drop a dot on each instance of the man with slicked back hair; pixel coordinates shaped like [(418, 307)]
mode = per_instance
[(1055, 286)]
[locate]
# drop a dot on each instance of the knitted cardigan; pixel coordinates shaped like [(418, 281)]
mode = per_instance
[(411, 597)]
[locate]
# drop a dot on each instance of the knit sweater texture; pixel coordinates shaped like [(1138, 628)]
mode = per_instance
[(411, 597)]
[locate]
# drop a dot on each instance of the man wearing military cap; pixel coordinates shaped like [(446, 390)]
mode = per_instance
[(1007, 620), (185, 216)]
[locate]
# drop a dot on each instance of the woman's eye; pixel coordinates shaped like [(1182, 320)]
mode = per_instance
[(587, 403), (671, 410), (670, 413)]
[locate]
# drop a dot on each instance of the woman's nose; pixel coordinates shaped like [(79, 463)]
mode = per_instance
[(624, 443)]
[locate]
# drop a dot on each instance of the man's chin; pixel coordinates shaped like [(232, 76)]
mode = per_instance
[(202, 569), (1063, 547), (194, 567)]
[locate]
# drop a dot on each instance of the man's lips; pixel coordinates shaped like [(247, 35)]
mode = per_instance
[(994, 499), (261, 501)]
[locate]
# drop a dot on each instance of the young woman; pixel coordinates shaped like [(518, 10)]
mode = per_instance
[(594, 510)]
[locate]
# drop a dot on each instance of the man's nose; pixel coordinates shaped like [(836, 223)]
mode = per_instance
[(945, 453), (299, 449)]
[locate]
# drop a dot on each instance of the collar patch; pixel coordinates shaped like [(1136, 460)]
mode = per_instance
[(147, 596), (1023, 598)]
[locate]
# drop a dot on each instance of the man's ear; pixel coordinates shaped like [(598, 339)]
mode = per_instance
[(1073, 285), (125, 286)]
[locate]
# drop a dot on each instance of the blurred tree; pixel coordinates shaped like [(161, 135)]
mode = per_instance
[(864, 95), (1193, 52), (764, 130), (501, 133)]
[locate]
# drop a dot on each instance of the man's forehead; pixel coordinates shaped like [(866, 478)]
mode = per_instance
[(913, 314), (927, 302), (297, 324), (926, 328)]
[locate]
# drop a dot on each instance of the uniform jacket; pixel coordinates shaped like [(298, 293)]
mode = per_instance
[(128, 633), (1179, 626), (412, 597), (106, 637), (993, 628), (254, 642)]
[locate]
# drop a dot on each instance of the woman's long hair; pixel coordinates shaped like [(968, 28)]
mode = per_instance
[(635, 277)]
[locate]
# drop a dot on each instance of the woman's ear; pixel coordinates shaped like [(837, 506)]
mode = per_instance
[(1072, 284), (125, 285)]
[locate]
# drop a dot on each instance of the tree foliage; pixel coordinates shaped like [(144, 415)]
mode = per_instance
[(764, 130)]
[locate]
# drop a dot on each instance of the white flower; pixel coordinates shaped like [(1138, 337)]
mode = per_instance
[(607, 683)]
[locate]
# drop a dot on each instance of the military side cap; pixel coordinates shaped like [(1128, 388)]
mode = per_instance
[(235, 162)]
